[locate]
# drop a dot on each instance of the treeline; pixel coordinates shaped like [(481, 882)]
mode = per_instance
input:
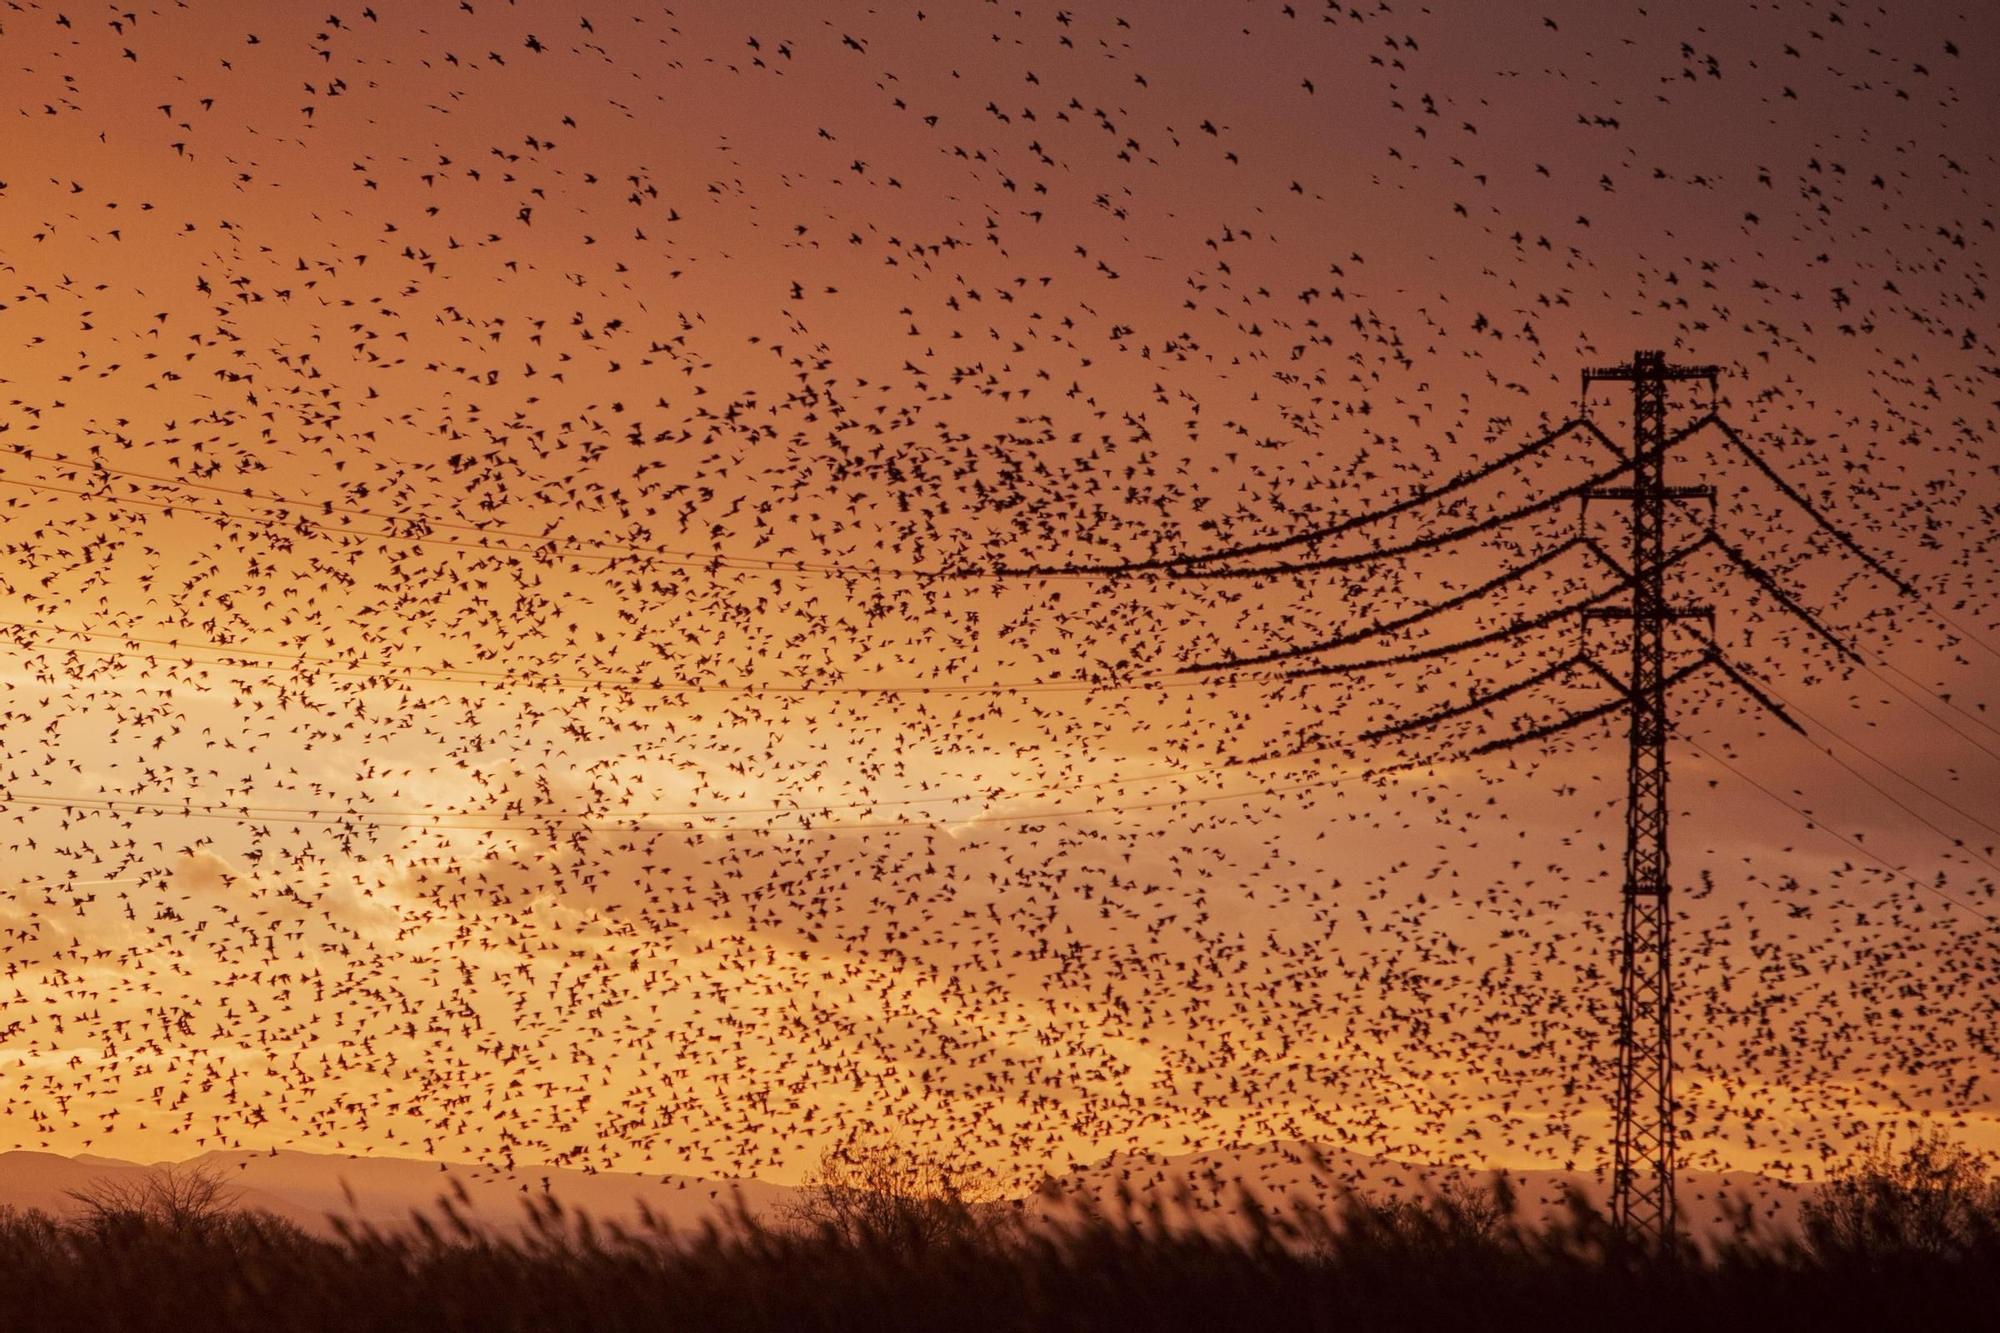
[(1902, 1241)]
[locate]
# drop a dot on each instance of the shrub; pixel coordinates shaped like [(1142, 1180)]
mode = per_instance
[(1935, 1197), (886, 1195)]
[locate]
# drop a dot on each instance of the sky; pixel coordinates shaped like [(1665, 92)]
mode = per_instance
[(569, 590)]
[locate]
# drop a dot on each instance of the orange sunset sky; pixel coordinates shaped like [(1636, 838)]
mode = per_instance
[(542, 616)]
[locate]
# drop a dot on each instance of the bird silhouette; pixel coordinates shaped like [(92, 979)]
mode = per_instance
[(650, 596)]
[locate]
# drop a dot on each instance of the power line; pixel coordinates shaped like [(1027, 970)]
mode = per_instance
[(1321, 533), (1764, 580), (1512, 629), (347, 667), (1381, 627), (311, 816), (1486, 700), (1521, 625), (337, 813), (1904, 806), (1973, 718), (1944, 722), (1582, 489), (645, 558), (1825, 524), (1813, 822), (1352, 558), (1891, 769), (1901, 584), (1568, 722)]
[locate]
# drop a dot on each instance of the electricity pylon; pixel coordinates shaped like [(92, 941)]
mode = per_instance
[(1643, 1132)]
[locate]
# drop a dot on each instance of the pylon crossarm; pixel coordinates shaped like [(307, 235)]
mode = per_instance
[(1657, 369)]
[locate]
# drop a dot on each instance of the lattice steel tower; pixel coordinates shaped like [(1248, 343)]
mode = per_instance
[(1642, 1183), (1645, 1135)]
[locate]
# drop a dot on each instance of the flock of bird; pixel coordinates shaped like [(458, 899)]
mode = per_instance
[(655, 590)]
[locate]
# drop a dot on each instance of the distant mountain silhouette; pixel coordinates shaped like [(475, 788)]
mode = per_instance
[(1280, 1174), (384, 1192)]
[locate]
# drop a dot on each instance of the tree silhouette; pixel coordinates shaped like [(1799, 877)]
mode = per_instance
[(1936, 1197), (183, 1199), (886, 1195)]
